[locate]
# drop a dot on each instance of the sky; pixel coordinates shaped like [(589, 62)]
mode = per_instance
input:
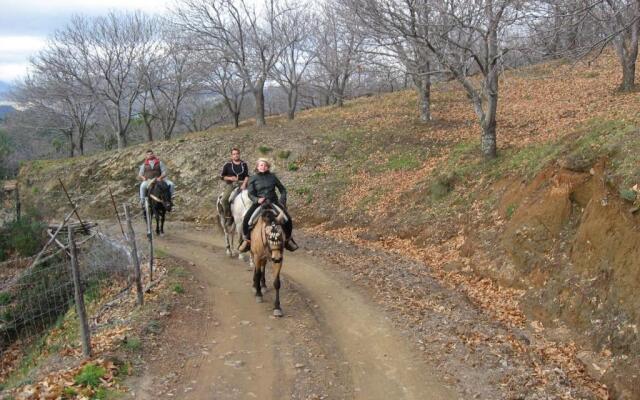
[(25, 25)]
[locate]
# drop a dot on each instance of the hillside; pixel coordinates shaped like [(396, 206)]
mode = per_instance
[(541, 237)]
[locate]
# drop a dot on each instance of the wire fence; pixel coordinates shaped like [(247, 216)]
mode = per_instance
[(77, 264)]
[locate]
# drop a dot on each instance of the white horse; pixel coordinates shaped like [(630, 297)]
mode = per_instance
[(232, 228)]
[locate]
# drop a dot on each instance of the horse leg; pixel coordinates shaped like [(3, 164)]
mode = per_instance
[(277, 311), (157, 213), (162, 215), (257, 277), (227, 241)]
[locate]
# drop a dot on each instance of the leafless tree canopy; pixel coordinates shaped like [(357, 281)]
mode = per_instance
[(129, 77)]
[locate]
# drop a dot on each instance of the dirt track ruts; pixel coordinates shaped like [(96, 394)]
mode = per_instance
[(333, 342)]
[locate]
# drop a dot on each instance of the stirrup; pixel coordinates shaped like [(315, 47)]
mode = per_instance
[(291, 245)]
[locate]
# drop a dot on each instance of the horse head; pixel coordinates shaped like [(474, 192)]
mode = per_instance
[(274, 232), (160, 193)]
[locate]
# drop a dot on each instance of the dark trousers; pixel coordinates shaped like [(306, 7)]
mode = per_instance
[(287, 226)]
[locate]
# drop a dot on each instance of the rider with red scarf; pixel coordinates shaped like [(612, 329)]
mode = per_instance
[(152, 168)]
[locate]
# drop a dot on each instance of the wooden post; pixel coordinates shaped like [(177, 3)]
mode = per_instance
[(75, 208), (79, 297), (115, 209), (150, 237), (134, 254)]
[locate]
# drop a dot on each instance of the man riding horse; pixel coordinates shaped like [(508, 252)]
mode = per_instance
[(152, 168), (262, 188), (235, 174)]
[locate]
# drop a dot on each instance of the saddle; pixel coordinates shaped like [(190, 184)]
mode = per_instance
[(272, 208), (234, 193)]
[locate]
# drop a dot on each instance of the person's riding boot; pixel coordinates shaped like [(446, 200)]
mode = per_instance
[(244, 246), (291, 245)]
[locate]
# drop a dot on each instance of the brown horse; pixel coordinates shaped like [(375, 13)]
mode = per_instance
[(267, 244)]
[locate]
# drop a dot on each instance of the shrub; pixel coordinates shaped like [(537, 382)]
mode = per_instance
[(90, 375), (441, 186), (24, 236), (132, 343), (284, 154), (628, 195), (292, 166)]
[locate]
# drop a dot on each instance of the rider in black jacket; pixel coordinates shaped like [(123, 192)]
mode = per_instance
[(262, 187)]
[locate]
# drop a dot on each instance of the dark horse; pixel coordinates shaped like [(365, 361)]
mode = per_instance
[(159, 203)]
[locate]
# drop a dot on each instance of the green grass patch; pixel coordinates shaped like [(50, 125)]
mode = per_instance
[(90, 375), (132, 343), (264, 149), (160, 253), (511, 209), (178, 272), (292, 166), (403, 162), (284, 154), (177, 288), (5, 298)]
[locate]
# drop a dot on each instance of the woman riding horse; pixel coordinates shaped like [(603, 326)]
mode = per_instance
[(262, 187)]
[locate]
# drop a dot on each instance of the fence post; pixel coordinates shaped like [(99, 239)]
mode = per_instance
[(150, 237), (134, 254), (79, 297)]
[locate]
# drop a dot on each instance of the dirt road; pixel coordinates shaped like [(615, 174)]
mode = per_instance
[(333, 343)]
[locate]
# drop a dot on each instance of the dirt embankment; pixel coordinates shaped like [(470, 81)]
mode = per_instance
[(573, 244)]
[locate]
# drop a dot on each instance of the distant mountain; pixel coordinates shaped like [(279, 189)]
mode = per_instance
[(5, 109), (4, 89)]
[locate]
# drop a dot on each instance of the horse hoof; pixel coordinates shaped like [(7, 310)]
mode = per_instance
[(277, 312), (258, 299)]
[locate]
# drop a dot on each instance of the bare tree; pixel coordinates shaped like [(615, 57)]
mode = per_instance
[(105, 55), (170, 76), (338, 44), (621, 21), (201, 113), (294, 33), (468, 40), (56, 104), (236, 30), (219, 77), (398, 29), (583, 28)]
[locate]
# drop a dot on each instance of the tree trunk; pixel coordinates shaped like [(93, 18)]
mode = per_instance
[(488, 120), (628, 76), (258, 93), (122, 140), (423, 86), (72, 147), (81, 143), (293, 101), (236, 119), (627, 48), (149, 131), (488, 139)]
